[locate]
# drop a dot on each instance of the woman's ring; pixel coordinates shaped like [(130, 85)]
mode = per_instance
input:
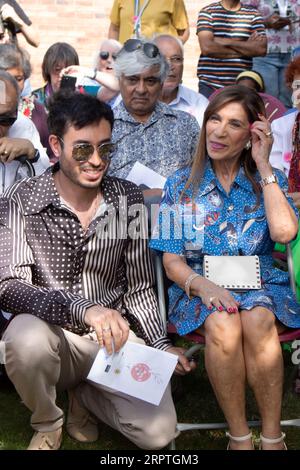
[(211, 299), (268, 134), (106, 328)]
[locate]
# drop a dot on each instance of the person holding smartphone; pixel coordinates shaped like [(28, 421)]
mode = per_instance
[(57, 57), (13, 21), (101, 80)]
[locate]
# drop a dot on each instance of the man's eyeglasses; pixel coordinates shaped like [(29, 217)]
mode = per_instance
[(149, 49), (7, 120), (82, 152), (104, 55), (177, 60)]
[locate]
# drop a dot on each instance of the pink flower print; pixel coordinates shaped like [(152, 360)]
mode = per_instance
[(275, 39), (290, 39), (287, 156)]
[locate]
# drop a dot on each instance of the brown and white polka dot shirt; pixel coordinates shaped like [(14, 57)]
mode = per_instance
[(51, 268)]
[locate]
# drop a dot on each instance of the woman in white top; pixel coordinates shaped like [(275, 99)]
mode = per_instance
[(285, 153)]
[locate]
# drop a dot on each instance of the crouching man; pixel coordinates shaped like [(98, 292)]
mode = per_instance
[(71, 289)]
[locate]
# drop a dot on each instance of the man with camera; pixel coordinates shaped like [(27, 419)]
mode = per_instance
[(13, 20)]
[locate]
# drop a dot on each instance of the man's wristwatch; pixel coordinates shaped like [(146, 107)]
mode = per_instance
[(268, 180), (93, 74)]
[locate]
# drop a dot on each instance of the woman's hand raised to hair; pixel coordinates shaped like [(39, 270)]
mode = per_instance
[(262, 141)]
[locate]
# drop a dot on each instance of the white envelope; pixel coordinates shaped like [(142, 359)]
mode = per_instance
[(137, 370)]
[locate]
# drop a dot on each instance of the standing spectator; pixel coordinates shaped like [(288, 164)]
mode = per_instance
[(281, 19), (14, 21), (57, 57), (230, 34), (173, 93), (135, 19)]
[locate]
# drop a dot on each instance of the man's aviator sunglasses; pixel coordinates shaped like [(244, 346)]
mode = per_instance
[(149, 49), (82, 152)]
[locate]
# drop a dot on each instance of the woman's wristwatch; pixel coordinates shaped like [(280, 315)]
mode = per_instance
[(268, 180)]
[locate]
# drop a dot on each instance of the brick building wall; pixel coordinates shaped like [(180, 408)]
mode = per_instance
[(84, 24)]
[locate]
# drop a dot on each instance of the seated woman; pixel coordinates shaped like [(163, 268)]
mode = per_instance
[(252, 79), (103, 75), (228, 203), (57, 57), (285, 153)]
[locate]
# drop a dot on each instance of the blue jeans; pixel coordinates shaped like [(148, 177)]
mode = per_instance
[(272, 68)]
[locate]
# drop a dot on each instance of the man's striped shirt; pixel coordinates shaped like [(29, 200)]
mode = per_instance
[(240, 24)]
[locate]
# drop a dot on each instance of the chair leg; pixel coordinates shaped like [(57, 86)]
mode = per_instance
[(172, 445)]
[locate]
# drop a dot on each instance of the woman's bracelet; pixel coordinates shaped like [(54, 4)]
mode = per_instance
[(188, 282)]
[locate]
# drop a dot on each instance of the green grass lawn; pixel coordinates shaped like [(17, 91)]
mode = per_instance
[(196, 402)]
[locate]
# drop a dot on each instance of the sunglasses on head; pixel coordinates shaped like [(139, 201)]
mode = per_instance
[(7, 120), (104, 55), (149, 49), (82, 152)]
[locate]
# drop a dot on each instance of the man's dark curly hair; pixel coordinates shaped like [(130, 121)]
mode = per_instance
[(68, 108)]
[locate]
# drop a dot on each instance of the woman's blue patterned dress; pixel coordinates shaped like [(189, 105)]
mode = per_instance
[(217, 223)]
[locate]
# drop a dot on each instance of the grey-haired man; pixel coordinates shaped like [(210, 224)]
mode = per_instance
[(146, 130)]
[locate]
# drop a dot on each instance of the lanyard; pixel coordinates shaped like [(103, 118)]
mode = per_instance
[(282, 7), (137, 17)]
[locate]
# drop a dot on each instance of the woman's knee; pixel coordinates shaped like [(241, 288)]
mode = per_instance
[(224, 333), (258, 323)]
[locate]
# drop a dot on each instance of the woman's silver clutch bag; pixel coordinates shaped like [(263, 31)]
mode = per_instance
[(238, 273)]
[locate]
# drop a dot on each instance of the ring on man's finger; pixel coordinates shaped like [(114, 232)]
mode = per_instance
[(269, 134)]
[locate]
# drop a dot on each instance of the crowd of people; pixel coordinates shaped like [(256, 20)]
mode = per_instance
[(98, 160)]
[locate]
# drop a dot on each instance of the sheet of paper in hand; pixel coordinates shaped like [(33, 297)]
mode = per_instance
[(137, 370), (141, 174)]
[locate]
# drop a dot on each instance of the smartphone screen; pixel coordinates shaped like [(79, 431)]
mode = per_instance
[(68, 82)]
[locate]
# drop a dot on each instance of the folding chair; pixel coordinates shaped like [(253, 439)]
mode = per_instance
[(199, 340)]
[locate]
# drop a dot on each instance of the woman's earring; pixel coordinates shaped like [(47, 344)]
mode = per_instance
[(248, 145)]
